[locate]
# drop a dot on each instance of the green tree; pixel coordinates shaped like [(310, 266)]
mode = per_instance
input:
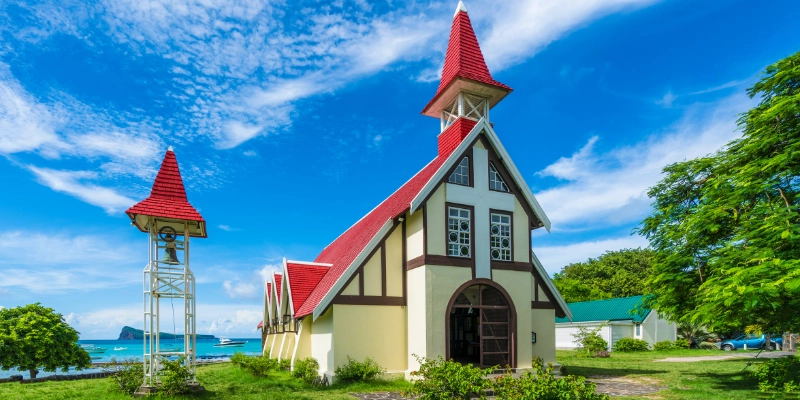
[(725, 227), (34, 336), (614, 274)]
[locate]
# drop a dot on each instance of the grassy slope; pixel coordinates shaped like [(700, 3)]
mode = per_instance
[(221, 381), (721, 379)]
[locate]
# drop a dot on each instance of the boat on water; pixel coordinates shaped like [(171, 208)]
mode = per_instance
[(225, 342), (120, 348), (92, 349)]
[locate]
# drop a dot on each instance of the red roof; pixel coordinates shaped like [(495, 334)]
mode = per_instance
[(346, 247), (464, 57), (278, 287), (168, 197), (302, 279)]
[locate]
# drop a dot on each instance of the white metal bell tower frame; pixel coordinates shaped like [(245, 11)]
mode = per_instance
[(166, 278)]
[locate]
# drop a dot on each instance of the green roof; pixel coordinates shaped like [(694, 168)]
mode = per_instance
[(621, 309)]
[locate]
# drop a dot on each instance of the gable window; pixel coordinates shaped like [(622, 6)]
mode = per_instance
[(460, 175), (495, 180), (501, 237), (458, 232)]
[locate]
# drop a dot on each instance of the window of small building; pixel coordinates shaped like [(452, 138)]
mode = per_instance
[(638, 329), (501, 237), (458, 232), (460, 175), (495, 180)]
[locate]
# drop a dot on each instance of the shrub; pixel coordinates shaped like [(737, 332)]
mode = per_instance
[(543, 385), (707, 346), (629, 345), (355, 371), (127, 374), (446, 379), (306, 369), (174, 377), (256, 365), (779, 374), (601, 354), (664, 345), (681, 344), (590, 340)]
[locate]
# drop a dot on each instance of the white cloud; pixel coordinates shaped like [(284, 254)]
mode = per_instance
[(241, 290), (554, 258), (667, 100), (611, 187), (73, 183), (518, 29), (269, 269), (25, 125), (227, 228)]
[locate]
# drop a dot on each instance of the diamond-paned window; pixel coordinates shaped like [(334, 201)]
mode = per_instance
[(460, 175), (495, 180), (501, 237), (459, 232), (474, 107)]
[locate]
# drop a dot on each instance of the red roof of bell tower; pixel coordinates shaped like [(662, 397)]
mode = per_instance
[(168, 198), (464, 59)]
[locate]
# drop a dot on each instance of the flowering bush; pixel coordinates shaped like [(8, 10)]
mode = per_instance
[(446, 380), (590, 341), (543, 385)]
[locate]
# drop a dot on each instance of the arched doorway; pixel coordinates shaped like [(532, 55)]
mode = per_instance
[(481, 325)]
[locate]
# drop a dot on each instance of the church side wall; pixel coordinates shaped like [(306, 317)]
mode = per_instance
[(378, 332), (275, 349), (322, 342), (543, 322), (303, 341), (415, 235), (417, 315)]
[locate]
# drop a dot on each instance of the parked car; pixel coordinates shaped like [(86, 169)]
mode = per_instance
[(752, 341)]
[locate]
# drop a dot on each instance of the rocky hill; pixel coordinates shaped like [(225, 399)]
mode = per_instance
[(129, 333)]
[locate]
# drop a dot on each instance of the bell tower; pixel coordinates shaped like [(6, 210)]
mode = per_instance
[(169, 221), (467, 89)]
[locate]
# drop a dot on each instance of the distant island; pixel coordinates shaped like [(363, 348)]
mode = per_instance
[(129, 333)]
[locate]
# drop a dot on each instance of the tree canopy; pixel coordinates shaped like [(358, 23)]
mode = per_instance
[(614, 274), (34, 336), (725, 226)]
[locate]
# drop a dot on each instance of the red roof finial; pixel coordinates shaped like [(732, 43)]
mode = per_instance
[(168, 198), (464, 60)]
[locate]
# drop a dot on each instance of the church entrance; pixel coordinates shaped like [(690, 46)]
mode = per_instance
[(481, 325)]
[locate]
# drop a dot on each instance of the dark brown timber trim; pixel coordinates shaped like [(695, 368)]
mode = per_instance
[(383, 268), (542, 305), (415, 262), (511, 266)]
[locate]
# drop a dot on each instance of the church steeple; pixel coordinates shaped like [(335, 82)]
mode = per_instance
[(467, 89)]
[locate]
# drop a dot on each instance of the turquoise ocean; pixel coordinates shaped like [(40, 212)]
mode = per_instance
[(135, 349)]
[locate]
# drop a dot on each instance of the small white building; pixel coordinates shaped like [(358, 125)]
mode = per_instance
[(619, 318)]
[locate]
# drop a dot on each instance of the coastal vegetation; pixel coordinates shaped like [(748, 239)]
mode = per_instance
[(33, 337), (128, 333)]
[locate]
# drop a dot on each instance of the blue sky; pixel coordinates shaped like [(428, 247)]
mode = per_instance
[(291, 120)]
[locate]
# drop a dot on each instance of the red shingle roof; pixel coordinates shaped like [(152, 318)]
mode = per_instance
[(346, 247), (278, 288), (168, 197), (464, 57), (302, 279)]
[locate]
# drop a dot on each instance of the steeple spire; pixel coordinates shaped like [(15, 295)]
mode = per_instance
[(168, 199), (464, 69)]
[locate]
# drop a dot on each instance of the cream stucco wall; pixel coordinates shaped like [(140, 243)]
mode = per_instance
[(394, 263), (275, 349), (378, 332), (436, 225), (415, 235), (373, 275), (352, 288), (522, 240), (288, 345), (417, 306), (322, 342), (441, 282), (543, 322), (302, 340), (517, 284)]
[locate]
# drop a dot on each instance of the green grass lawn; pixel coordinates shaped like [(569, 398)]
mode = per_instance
[(221, 381), (720, 379)]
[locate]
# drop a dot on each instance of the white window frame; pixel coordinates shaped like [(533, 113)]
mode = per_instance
[(637, 330), (496, 179), (459, 227), (461, 173), (500, 234)]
